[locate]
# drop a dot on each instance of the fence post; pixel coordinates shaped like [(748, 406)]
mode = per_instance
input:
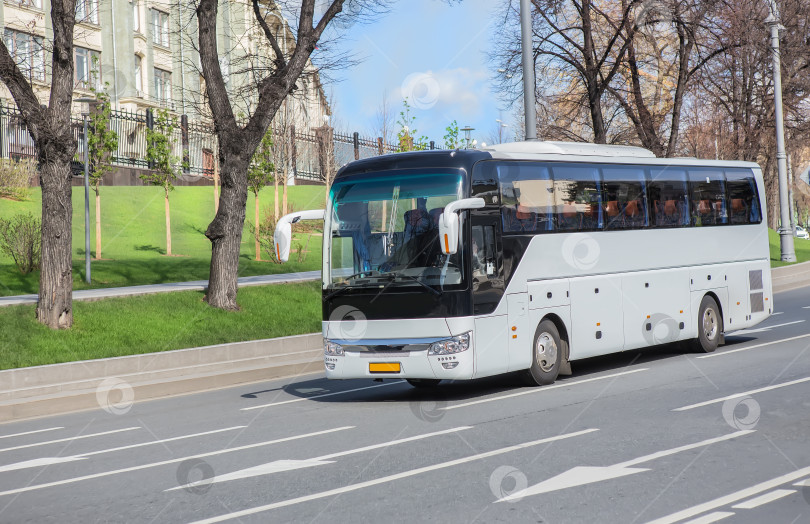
[(324, 140), (356, 142), (432, 145), (150, 125), (380, 147), (2, 133), (184, 140), (293, 153)]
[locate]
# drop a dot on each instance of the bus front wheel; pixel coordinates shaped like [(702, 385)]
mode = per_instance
[(547, 354), (710, 326)]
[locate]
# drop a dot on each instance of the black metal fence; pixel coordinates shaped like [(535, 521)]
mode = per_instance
[(195, 144)]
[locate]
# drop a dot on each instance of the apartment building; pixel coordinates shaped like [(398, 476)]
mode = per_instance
[(143, 52)]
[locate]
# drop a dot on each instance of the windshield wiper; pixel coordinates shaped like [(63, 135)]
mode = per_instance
[(370, 272), (393, 278)]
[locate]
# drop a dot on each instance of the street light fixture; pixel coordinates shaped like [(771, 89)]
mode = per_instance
[(785, 232), (467, 130), (87, 101)]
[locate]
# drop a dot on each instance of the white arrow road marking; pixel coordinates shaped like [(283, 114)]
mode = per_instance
[(544, 388), (171, 461), (46, 461), (31, 432), (743, 394), (286, 465), (35, 463), (732, 498), (803, 483), (720, 354), (77, 437), (765, 328), (264, 469), (764, 499), (389, 478), (588, 474), (321, 396)]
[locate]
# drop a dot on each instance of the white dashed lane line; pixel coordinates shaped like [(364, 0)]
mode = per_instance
[(764, 499), (282, 402), (764, 344), (743, 394), (711, 517), (68, 439), (30, 432)]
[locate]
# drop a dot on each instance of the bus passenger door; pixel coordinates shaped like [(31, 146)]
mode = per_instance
[(491, 343)]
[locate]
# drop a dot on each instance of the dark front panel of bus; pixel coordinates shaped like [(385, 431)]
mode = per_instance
[(401, 304)]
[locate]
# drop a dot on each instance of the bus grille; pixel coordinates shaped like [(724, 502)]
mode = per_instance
[(757, 303)]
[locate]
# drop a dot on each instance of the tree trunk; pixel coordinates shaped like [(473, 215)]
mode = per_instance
[(55, 305), (275, 196), (98, 225), (168, 225), (225, 234), (258, 248)]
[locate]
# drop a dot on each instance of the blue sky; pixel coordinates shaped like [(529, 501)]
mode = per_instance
[(433, 51)]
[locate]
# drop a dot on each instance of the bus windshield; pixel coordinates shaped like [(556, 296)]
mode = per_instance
[(384, 232)]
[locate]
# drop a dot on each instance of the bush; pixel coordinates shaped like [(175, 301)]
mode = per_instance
[(15, 176), (21, 239)]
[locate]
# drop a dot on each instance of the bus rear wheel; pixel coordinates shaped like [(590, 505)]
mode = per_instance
[(423, 383), (710, 326), (547, 354)]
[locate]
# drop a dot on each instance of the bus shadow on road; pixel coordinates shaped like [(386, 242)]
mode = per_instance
[(327, 391)]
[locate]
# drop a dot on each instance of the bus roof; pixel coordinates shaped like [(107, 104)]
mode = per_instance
[(569, 148)]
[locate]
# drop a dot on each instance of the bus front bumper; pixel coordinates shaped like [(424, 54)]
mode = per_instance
[(394, 361)]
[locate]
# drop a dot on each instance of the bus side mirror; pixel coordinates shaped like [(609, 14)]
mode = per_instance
[(282, 236), (449, 222)]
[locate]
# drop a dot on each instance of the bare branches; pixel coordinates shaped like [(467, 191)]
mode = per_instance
[(278, 57)]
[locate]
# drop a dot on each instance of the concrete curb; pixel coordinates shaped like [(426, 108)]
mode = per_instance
[(790, 277), (113, 384)]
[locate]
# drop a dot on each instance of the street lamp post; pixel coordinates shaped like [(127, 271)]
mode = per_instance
[(785, 233), (530, 110), (467, 139)]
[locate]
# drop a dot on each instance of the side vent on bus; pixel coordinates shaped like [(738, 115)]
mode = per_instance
[(755, 284), (755, 280)]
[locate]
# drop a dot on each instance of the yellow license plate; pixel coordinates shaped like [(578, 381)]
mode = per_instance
[(384, 367)]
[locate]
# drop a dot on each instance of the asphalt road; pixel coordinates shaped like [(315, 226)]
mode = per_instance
[(642, 436)]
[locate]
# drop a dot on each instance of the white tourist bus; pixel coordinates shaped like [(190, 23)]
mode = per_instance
[(524, 257)]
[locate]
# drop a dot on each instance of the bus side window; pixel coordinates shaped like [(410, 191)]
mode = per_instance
[(625, 197), (526, 197), (742, 197), (577, 198), (669, 197), (708, 192)]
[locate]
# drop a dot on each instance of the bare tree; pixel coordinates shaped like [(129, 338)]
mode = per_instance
[(383, 125), (273, 80), (55, 145), (580, 44)]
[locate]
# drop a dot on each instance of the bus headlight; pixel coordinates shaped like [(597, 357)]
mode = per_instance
[(332, 348), (451, 345)]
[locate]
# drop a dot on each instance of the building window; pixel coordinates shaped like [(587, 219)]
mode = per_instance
[(136, 17), (160, 28), (87, 11), (27, 53), (163, 86), (138, 75), (87, 69)]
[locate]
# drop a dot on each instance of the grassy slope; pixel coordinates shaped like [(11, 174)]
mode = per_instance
[(129, 326), (134, 238), (801, 246)]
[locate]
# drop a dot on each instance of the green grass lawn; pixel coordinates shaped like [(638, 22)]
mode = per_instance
[(134, 238), (130, 326), (801, 246)]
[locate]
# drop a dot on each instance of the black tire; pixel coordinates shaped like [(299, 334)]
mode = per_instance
[(547, 354), (710, 326), (424, 383)]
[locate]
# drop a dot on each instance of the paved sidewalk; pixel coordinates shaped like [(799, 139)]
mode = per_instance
[(95, 294)]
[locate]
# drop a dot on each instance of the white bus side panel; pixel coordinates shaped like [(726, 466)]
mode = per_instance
[(491, 343), (656, 305), (597, 318)]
